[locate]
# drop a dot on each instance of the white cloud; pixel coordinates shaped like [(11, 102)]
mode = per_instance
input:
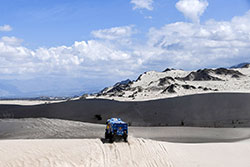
[(11, 40), (142, 4), (5, 28), (192, 9), (148, 17), (179, 45), (73, 60), (190, 45), (114, 32)]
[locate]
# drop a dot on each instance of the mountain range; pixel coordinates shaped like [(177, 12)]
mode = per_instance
[(149, 85), (172, 83)]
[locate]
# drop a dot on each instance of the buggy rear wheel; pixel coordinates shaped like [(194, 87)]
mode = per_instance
[(111, 138)]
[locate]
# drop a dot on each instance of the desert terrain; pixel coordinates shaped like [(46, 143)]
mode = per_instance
[(184, 126), (59, 143)]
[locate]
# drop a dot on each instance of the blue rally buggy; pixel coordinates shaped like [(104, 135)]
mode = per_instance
[(116, 129)]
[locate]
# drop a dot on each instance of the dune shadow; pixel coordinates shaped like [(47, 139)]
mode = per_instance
[(105, 141)]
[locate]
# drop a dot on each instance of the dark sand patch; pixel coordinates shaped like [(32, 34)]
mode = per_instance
[(203, 110)]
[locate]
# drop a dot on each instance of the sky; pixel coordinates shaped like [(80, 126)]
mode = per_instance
[(65, 47)]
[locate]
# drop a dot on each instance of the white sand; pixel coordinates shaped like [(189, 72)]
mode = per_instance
[(41, 128), (138, 152), (151, 90), (29, 102)]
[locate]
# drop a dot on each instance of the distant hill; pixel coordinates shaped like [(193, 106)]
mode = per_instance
[(172, 83), (241, 65)]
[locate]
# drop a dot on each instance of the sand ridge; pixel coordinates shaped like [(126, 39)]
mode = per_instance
[(25, 143), (137, 152), (41, 128), (207, 110), (154, 85)]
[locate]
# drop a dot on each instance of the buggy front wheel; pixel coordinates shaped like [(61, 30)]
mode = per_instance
[(125, 138)]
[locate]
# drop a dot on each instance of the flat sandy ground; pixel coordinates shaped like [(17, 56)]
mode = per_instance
[(29, 102), (23, 143)]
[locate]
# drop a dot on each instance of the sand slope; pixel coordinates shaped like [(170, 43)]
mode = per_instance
[(172, 83), (29, 102), (41, 128), (33, 128), (138, 152), (28, 151), (213, 110)]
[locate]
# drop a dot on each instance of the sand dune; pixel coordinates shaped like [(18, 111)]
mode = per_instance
[(82, 153), (23, 144), (210, 110), (29, 102), (61, 129), (50, 141), (137, 152), (173, 83), (41, 128)]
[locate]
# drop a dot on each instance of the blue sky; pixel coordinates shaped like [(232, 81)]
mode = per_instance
[(61, 22), (83, 46)]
